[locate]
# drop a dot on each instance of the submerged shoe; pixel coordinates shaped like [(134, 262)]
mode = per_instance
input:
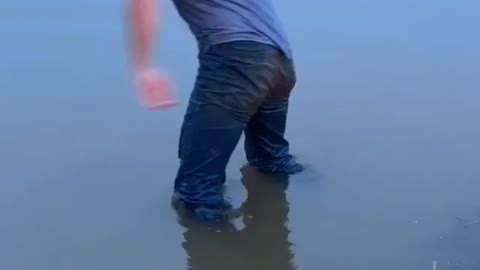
[(218, 210), (287, 166)]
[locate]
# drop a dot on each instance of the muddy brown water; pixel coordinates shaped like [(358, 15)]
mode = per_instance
[(385, 112)]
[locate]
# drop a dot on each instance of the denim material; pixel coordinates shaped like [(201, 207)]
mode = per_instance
[(241, 87), (261, 244)]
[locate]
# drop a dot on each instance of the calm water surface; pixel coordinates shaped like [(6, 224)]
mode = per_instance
[(385, 112)]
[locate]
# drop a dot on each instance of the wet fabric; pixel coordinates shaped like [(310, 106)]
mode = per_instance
[(219, 21), (260, 242), (241, 87)]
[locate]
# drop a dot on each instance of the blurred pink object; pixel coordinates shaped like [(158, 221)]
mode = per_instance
[(154, 89)]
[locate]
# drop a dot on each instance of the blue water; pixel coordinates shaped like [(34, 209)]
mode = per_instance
[(385, 113)]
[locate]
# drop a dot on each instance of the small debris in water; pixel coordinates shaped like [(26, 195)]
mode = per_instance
[(467, 223)]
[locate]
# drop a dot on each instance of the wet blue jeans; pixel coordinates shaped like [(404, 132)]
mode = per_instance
[(241, 87)]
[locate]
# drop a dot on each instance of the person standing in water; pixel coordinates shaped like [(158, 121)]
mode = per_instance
[(245, 77)]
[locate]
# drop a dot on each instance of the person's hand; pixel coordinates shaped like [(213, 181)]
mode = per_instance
[(154, 89)]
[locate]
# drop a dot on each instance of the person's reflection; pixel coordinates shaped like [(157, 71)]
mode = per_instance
[(262, 244)]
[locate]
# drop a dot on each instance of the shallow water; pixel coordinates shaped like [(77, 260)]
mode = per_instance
[(385, 113)]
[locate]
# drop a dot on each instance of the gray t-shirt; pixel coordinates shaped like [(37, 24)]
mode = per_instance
[(219, 21)]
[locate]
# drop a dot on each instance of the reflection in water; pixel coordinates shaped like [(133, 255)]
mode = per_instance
[(261, 244)]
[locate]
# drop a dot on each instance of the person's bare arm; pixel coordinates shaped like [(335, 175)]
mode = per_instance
[(142, 20), (152, 85)]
